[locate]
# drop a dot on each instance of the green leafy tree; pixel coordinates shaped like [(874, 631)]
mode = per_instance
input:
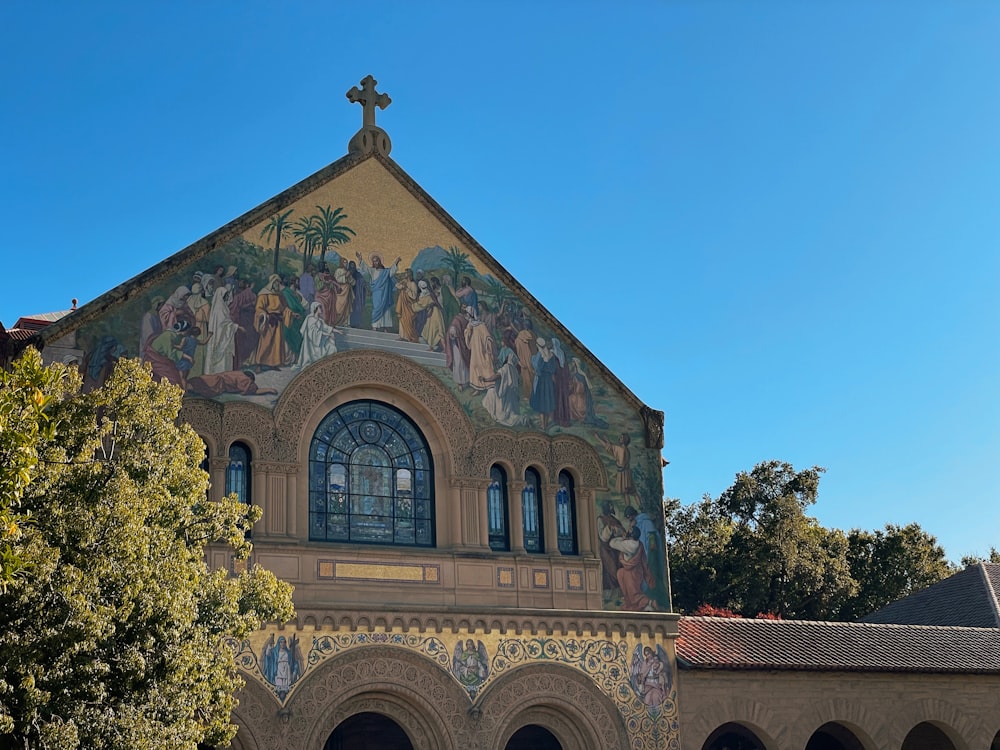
[(24, 401), (330, 229), (891, 563), (279, 228), (112, 636), (754, 550), (992, 557)]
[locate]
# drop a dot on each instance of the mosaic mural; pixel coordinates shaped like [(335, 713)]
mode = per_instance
[(639, 677), (247, 318)]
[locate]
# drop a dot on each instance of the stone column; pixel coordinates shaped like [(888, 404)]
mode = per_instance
[(217, 475), (515, 516), (549, 517)]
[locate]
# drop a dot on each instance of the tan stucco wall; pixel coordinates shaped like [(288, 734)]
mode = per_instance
[(785, 708)]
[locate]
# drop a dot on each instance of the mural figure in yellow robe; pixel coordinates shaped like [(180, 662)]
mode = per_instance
[(270, 318)]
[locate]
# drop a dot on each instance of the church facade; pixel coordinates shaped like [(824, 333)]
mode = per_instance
[(466, 500), (468, 504)]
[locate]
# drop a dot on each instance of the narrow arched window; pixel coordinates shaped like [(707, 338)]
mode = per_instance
[(496, 510), (566, 514), (238, 472), (370, 478), (531, 512)]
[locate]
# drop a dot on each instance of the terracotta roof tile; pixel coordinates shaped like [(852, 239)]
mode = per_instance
[(726, 643)]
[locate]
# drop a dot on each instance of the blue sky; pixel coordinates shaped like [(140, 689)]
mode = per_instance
[(777, 222)]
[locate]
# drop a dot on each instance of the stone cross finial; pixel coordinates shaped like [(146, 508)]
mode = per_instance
[(370, 137)]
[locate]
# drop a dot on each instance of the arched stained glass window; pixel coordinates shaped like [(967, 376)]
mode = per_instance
[(370, 478), (566, 514), (531, 512), (238, 472), (496, 509)]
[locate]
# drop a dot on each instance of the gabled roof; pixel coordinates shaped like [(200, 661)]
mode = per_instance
[(163, 270), (802, 645), (967, 599)]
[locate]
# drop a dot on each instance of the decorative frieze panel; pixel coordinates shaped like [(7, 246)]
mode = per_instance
[(630, 681)]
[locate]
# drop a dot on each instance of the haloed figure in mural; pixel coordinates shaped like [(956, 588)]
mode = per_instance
[(470, 663), (650, 675), (282, 662)]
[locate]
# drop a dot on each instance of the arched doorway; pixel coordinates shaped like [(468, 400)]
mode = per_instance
[(834, 736), (533, 737), (926, 736), (995, 745), (368, 731), (733, 737)]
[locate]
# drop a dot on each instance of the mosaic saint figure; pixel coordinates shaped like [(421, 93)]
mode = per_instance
[(619, 451), (543, 390), (317, 337), (482, 352), (382, 281), (432, 331), (457, 352), (270, 318), (221, 348), (405, 312), (470, 663), (650, 675), (634, 576)]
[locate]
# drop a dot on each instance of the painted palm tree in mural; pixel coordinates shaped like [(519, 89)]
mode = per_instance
[(278, 227), (497, 292), (458, 264), (306, 232), (330, 230)]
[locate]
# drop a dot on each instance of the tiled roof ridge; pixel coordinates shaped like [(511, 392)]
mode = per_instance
[(836, 623), (984, 571)]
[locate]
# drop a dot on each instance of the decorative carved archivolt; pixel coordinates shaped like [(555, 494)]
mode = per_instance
[(541, 693), (408, 688), (386, 371), (550, 455)]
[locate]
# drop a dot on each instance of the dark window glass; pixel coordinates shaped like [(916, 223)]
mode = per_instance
[(370, 478), (531, 512), (566, 514), (238, 473), (496, 509)]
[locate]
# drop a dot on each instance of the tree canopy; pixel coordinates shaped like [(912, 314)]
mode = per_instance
[(111, 623), (755, 550)]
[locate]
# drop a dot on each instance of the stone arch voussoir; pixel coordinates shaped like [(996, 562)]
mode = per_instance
[(960, 727), (404, 686), (556, 697), (870, 730), (386, 371), (755, 716)]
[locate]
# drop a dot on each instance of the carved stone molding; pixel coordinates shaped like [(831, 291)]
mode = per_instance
[(205, 417), (385, 371), (509, 622), (549, 455), (408, 688), (251, 424), (558, 698), (571, 451)]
